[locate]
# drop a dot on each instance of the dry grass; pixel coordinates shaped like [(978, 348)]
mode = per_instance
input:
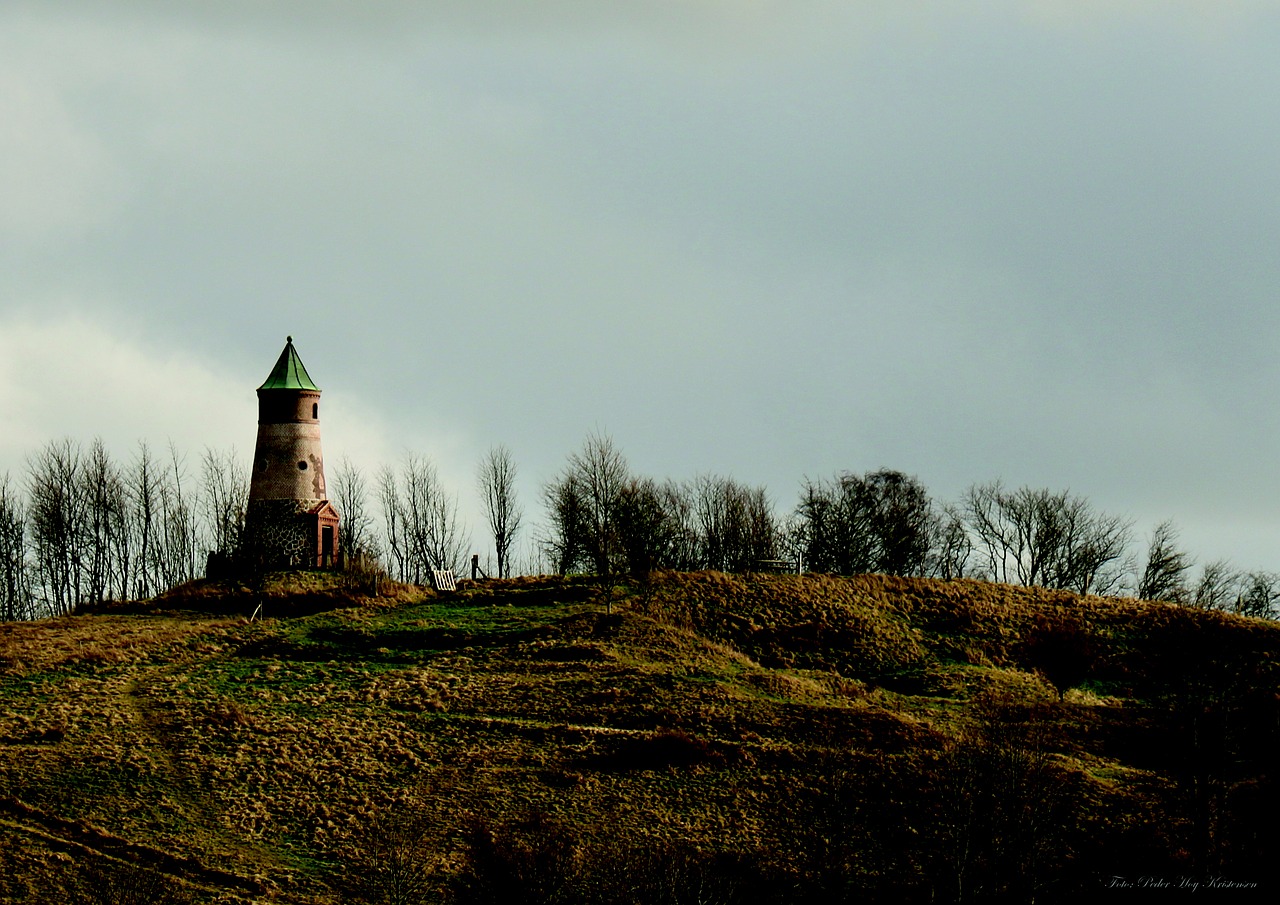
[(33, 647), (704, 710)]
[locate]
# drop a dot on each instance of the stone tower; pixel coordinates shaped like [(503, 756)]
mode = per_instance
[(289, 521)]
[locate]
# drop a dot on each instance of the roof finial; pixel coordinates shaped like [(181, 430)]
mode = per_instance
[(288, 339)]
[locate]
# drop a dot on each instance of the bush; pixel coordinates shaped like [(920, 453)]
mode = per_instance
[(662, 749), (532, 862), (130, 884), (1061, 649), (390, 863)]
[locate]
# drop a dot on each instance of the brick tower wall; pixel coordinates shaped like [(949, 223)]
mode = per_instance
[(287, 461), (288, 483)]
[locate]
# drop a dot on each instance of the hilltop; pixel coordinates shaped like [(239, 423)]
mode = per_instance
[(757, 738)]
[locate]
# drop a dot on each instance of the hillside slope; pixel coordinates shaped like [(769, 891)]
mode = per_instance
[(762, 738)]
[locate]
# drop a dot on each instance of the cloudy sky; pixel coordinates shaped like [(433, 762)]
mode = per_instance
[(1031, 240)]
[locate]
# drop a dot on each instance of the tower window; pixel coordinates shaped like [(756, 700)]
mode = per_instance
[(315, 410), (302, 466)]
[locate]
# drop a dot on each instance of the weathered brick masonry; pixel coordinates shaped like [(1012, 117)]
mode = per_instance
[(290, 521)]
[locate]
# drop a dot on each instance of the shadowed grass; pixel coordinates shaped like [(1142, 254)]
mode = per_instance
[(794, 721)]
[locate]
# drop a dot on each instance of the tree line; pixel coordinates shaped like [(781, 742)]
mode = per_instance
[(80, 527), (83, 527), (603, 519)]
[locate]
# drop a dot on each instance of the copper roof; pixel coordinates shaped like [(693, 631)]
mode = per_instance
[(289, 372)]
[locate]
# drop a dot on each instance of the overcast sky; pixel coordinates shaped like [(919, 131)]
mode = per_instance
[(1034, 241)]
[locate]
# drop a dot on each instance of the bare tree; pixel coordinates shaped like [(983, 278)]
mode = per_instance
[(392, 509), (1036, 537), (225, 499), (434, 528), (1094, 545), (496, 479), (142, 486), (735, 525), (15, 588), (998, 544), (879, 522), (1164, 577), (952, 546), (678, 506), (901, 519), (180, 537), (1002, 807), (449, 540), (817, 527), (107, 537), (714, 510), (350, 497), (57, 514), (565, 544), (601, 470), (644, 529), (759, 537), (125, 883), (1260, 595), (391, 862), (581, 505), (1218, 588), (424, 529)]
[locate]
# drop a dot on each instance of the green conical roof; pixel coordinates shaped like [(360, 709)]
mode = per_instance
[(289, 373)]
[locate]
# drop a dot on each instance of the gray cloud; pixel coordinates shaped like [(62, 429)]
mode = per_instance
[(1022, 240)]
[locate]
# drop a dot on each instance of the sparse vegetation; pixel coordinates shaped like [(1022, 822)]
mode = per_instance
[(81, 530), (753, 738)]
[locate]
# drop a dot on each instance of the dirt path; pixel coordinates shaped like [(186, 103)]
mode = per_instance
[(137, 699), (195, 805), (135, 720), (79, 838)]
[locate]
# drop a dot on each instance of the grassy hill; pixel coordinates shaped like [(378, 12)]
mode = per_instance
[(702, 737)]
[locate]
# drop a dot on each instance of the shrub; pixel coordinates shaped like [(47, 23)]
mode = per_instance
[(531, 862), (662, 749), (130, 884), (389, 861), (1061, 649)]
